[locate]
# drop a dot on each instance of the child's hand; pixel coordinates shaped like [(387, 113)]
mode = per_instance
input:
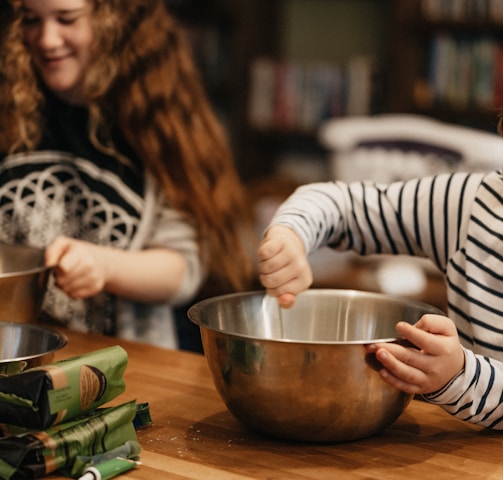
[(437, 359), (78, 266), (283, 267)]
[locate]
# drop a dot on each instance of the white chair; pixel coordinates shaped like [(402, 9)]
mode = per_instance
[(400, 146)]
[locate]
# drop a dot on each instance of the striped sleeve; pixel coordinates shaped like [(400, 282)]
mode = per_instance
[(421, 217), (475, 395)]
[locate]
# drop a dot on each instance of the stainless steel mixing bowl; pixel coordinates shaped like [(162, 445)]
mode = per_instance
[(306, 376), (24, 346), (23, 282)]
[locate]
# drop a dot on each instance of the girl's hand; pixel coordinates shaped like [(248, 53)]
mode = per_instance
[(437, 359), (283, 267), (79, 269)]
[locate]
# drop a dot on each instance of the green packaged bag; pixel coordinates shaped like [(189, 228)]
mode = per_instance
[(43, 396), (36, 454)]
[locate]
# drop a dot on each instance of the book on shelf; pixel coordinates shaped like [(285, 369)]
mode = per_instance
[(465, 72), (463, 10), (299, 96), (262, 90), (498, 78)]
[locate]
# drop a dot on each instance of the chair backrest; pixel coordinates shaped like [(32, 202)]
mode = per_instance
[(392, 147)]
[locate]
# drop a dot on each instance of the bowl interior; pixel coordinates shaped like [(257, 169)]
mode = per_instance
[(319, 316), (24, 342)]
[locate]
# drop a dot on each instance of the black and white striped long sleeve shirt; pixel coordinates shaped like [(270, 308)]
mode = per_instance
[(454, 219)]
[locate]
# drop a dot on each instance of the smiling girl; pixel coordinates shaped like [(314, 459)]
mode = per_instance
[(112, 160)]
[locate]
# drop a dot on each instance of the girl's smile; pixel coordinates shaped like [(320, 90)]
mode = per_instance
[(59, 34)]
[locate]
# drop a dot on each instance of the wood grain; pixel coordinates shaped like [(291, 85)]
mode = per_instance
[(193, 436)]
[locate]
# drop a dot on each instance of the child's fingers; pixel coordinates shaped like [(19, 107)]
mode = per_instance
[(286, 300)]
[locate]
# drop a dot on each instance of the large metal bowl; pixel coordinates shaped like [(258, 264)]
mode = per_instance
[(23, 282), (24, 346), (307, 377)]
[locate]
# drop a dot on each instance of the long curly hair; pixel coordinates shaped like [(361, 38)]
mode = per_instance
[(143, 82)]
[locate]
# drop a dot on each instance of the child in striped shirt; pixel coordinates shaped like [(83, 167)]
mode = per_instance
[(456, 220)]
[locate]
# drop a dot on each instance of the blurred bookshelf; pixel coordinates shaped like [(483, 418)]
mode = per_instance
[(226, 36), (276, 69), (257, 62), (449, 61), (330, 62)]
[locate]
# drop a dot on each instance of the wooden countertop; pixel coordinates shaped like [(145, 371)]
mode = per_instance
[(193, 435)]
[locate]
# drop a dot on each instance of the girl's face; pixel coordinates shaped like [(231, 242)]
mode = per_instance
[(59, 34)]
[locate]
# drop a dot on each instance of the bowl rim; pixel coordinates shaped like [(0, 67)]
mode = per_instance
[(193, 310), (22, 273), (61, 338)]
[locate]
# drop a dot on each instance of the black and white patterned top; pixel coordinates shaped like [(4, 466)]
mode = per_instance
[(68, 187)]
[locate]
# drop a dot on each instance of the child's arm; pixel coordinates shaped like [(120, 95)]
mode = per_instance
[(83, 269)]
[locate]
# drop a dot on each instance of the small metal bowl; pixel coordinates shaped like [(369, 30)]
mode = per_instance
[(308, 376), (23, 282), (24, 346)]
